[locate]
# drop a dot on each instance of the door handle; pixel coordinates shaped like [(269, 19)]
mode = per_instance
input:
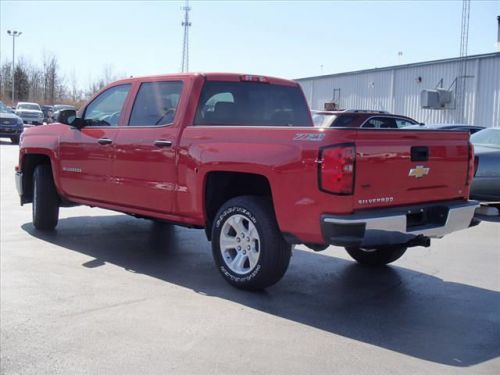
[(104, 141), (163, 143)]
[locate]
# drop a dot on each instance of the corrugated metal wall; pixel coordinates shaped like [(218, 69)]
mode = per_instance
[(398, 89)]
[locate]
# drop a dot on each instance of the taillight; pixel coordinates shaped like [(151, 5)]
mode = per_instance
[(336, 169), (471, 170)]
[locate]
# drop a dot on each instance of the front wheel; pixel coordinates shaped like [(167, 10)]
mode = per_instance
[(15, 139), (377, 256), (46, 201), (247, 245)]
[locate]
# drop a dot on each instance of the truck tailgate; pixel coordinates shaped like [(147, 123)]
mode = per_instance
[(403, 167)]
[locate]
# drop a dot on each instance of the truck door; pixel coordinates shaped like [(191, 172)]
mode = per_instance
[(144, 168), (86, 155)]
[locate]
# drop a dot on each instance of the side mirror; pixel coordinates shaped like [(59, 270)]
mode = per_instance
[(68, 117), (78, 123)]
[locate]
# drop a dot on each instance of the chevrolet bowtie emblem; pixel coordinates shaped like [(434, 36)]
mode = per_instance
[(419, 171)]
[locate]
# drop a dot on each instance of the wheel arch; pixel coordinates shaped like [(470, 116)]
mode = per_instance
[(29, 163), (220, 186)]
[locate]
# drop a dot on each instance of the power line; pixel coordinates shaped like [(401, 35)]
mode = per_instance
[(185, 45)]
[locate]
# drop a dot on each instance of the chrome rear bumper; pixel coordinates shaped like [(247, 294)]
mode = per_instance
[(400, 225)]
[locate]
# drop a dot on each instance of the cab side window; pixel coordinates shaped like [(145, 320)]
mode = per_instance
[(156, 103), (105, 110)]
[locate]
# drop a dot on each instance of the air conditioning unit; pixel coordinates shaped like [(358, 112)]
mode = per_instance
[(435, 99), (445, 96)]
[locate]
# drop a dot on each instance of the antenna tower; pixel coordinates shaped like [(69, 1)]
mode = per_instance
[(185, 45), (462, 65)]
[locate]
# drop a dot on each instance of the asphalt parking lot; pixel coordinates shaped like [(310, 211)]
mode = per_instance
[(110, 294)]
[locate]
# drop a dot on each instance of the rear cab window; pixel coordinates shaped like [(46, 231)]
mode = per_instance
[(252, 104)]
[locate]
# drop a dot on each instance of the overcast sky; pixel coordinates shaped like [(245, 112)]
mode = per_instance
[(290, 39)]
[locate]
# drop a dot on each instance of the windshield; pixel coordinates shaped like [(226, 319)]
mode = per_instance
[(486, 137), (32, 107), (3, 108)]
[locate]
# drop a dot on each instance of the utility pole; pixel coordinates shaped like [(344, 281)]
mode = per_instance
[(14, 34), (185, 45), (462, 65)]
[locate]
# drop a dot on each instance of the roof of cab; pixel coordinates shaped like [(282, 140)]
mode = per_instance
[(212, 76)]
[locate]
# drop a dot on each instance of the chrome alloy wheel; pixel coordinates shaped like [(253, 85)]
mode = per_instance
[(239, 244)]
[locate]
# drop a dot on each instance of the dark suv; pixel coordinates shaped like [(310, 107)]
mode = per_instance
[(11, 125), (357, 118)]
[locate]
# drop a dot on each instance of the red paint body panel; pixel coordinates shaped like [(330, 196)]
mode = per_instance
[(133, 175), (79, 150), (383, 164)]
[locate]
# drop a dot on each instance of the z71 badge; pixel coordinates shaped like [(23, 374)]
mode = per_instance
[(311, 137)]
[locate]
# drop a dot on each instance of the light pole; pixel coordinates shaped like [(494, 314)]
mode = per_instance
[(13, 34)]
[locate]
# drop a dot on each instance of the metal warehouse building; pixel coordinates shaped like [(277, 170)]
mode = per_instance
[(457, 90)]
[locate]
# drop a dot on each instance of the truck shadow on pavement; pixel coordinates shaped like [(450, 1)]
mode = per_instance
[(394, 308)]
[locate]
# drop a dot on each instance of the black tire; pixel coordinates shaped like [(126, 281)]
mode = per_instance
[(376, 257), (15, 139), (45, 208), (270, 252)]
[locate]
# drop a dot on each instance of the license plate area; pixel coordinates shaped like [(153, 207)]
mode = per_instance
[(418, 218)]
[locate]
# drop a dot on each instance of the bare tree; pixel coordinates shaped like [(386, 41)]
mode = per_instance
[(107, 74), (6, 82), (35, 78), (22, 87), (49, 78), (74, 87), (45, 84)]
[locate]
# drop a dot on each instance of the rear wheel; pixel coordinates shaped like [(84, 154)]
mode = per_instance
[(45, 208), (247, 245), (376, 257)]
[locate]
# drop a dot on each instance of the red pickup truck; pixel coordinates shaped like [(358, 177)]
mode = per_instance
[(239, 156)]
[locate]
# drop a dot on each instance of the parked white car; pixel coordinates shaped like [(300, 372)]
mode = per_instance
[(31, 113)]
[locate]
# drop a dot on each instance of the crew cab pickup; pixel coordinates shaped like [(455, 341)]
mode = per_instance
[(239, 156)]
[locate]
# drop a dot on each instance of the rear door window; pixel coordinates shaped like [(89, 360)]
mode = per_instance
[(252, 104), (156, 103)]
